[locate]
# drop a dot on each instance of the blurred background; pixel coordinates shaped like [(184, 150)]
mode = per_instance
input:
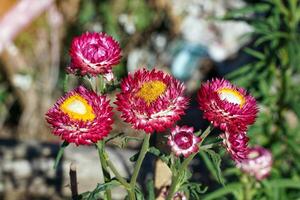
[(255, 44)]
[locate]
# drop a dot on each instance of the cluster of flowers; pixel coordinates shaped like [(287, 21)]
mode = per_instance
[(153, 101)]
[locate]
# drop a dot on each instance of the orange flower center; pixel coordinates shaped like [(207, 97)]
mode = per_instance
[(77, 108), (151, 90), (232, 96)]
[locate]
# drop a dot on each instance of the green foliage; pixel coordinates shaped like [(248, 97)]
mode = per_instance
[(273, 78), (213, 162), (193, 190), (164, 157), (151, 190), (60, 153), (232, 188), (97, 192)]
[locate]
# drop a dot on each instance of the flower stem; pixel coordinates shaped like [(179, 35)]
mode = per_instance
[(138, 165), (116, 173), (105, 171), (206, 132), (247, 187), (176, 177)]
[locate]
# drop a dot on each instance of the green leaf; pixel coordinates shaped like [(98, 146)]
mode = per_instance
[(134, 157), (254, 53), (150, 189), (285, 183), (124, 139), (236, 13), (193, 189), (139, 194), (60, 153), (96, 193), (155, 151), (228, 189), (213, 163)]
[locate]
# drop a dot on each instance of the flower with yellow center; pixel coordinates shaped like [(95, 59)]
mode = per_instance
[(151, 100), (81, 117), (151, 90), (226, 106)]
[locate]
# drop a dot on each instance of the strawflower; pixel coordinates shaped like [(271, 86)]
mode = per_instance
[(258, 163), (183, 141), (236, 145), (93, 54), (226, 106), (81, 117), (151, 100)]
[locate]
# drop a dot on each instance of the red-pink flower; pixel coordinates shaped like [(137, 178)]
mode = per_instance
[(93, 54), (226, 106), (81, 117), (258, 163), (183, 141), (236, 145), (151, 100)]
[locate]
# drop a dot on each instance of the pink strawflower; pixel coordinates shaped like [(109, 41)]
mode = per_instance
[(151, 100), (236, 145), (183, 141), (226, 106), (81, 117), (93, 54), (258, 163)]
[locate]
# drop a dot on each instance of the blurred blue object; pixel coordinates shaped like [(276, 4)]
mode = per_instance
[(187, 60)]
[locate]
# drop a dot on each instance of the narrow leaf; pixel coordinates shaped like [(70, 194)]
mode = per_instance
[(150, 189), (60, 153), (228, 189), (213, 164)]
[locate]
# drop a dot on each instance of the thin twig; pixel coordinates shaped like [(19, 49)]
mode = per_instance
[(73, 181)]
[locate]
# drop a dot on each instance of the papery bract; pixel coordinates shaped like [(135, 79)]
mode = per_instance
[(226, 106), (93, 54), (183, 141), (151, 100), (236, 145), (258, 163), (81, 117)]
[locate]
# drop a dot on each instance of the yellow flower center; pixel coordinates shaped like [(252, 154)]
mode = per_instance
[(232, 96), (151, 90), (78, 108), (253, 155)]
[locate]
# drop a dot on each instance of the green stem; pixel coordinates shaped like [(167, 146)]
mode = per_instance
[(176, 177), (247, 187), (138, 165), (206, 132), (104, 167), (116, 173)]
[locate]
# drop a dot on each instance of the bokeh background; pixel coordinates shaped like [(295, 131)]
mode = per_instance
[(255, 44)]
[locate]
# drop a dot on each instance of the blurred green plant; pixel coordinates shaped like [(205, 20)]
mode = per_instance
[(273, 77)]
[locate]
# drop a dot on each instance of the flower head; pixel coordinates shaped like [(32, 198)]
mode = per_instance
[(258, 163), (81, 117), (151, 100), (93, 54), (183, 141), (228, 107), (236, 145)]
